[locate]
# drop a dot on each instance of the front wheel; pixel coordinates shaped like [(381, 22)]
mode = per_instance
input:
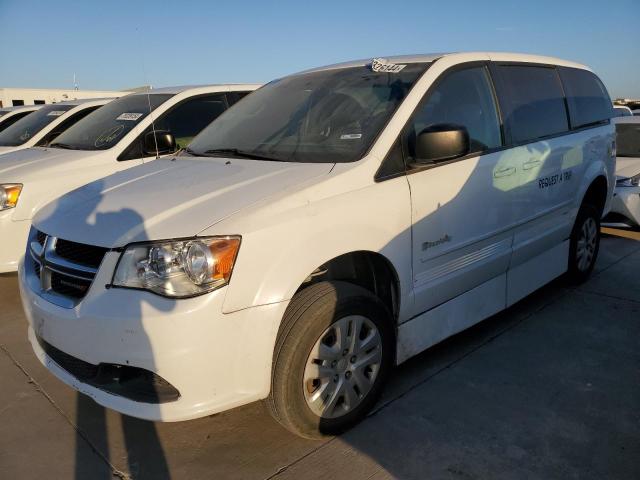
[(333, 354), (584, 244)]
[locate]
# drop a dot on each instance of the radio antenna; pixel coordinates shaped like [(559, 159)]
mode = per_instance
[(149, 87)]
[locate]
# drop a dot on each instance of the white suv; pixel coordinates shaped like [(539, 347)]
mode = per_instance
[(127, 132), (331, 225)]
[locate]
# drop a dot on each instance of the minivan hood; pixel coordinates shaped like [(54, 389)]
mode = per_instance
[(22, 165), (7, 149), (167, 198)]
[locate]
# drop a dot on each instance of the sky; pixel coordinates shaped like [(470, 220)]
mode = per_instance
[(118, 44)]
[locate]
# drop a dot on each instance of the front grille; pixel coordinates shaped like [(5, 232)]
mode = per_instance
[(69, 286), (80, 253), (36, 268), (63, 270)]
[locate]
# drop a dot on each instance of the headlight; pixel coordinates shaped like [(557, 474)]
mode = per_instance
[(179, 269), (628, 182), (9, 194)]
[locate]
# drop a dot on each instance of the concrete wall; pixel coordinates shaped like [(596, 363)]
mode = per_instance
[(30, 95)]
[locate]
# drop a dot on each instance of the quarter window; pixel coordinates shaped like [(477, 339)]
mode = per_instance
[(532, 102), (588, 100), (462, 98)]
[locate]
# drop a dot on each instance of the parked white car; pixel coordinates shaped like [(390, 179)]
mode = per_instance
[(118, 136), (622, 111), (334, 223), (625, 207), (10, 115), (41, 127)]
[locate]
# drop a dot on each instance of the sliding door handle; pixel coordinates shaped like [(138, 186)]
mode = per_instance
[(529, 164), (504, 172)]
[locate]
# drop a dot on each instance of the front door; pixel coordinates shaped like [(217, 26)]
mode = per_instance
[(462, 212)]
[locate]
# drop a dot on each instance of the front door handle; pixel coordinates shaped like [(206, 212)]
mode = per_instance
[(534, 162), (504, 172)]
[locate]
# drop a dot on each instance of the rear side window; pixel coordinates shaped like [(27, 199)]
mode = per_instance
[(532, 102), (588, 100)]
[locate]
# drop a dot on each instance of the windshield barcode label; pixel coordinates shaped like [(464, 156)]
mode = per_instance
[(382, 65), (55, 113), (131, 117)]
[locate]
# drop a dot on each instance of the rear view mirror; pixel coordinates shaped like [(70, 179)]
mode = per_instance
[(441, 142), (163, 143)]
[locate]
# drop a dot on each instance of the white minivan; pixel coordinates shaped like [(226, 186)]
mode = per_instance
[(331, 225), (49, 121), (127, 132)]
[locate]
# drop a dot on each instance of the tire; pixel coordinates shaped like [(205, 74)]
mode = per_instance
[(312, 395), (584, 244)]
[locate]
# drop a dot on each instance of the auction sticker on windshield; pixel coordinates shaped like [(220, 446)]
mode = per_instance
[(132, 117), (55, 113), (383, 66)]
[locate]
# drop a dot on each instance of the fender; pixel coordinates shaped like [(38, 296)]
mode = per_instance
[(282, 245), (601, 167)]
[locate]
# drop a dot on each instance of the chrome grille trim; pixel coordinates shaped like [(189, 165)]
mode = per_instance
[(45, 262)]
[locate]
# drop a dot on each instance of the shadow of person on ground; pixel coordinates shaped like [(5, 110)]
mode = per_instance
[(144, 451)]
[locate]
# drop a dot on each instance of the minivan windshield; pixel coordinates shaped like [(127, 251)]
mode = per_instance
[(323, 116), (628, 140), (104, 128), (25, 128)]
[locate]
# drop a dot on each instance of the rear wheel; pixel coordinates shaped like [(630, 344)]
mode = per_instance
[(584, 244), (333, 354)]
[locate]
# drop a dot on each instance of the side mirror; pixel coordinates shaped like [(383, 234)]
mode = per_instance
[(440, 142), (163, 143)]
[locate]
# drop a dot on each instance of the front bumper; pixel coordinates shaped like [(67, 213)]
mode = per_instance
[(216, 361), (14, 240), (626, 202)]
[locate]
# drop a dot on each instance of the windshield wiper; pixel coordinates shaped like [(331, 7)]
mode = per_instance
[(66, 146), (189, 151), (215, 152)]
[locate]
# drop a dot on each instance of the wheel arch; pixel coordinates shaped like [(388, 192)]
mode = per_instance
[(596, 193), (370, 270)]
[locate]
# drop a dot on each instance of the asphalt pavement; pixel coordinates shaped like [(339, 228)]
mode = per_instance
[(548, 389)]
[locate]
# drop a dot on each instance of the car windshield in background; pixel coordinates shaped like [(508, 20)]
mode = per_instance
[(105, 127), (2, 113), (628, 139), (324, 116), (25, 128)]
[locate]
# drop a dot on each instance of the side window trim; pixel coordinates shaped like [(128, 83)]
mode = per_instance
[(494, 81), (140, 136)]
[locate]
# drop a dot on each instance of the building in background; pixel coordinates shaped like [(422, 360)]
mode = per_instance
[(12, 97)]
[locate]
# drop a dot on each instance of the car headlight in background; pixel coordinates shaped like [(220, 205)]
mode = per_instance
[(9, 194), (629, 181), (178, 268)]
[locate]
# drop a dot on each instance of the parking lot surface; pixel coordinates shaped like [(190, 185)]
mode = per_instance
[(549, 388)]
